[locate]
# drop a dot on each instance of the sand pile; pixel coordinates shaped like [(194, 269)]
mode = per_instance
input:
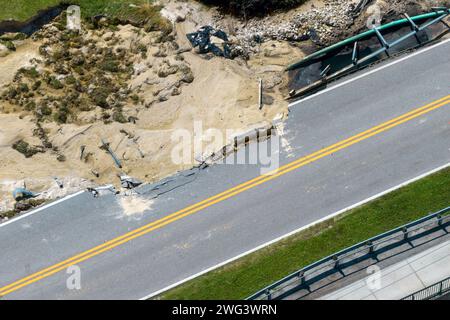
[(169, 88), (133, 207)]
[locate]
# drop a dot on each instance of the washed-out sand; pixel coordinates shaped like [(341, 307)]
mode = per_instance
[(223, 96), (134, 206), (26, 51)]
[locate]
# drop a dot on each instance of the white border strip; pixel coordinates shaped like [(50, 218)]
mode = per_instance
[(370, 72), (41, 208), (296, 231)]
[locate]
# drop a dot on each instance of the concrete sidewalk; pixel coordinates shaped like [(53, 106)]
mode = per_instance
[(401, 279)]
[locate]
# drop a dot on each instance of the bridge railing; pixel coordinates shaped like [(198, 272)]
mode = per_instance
[(434, 291), (358, 59), (360, 254)]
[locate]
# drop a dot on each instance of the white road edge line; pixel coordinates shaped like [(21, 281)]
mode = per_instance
[(41, 208), (370, 72), (296, 231)]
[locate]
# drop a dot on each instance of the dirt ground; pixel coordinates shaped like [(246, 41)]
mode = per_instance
[(224, 95)]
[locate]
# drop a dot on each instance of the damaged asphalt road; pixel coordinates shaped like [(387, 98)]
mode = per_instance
[(173, 249)]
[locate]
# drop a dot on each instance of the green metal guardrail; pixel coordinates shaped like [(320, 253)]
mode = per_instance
[(438, 14), (358, 253), (432, 292), (355, 62)]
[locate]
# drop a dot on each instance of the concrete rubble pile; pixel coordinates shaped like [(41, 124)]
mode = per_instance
[(325, 24)]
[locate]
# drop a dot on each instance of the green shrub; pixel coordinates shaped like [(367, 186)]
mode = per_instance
[(62, 115), (11, 93), (36, 85), (55, 83), (24, 148), (8, 44), (70, 80), (45, 110), (110, 65), (30, 73), (8, 214), (23, 87), (30, 106), (13, 36), (135, 98), (99, 96), (119, 117)]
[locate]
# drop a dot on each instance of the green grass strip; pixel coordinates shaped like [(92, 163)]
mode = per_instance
[(22, 10), (251, 273)]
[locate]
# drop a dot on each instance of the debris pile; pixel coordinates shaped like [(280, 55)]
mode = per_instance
[(103, 190), (128, 182), (317, 24), (207, 40)]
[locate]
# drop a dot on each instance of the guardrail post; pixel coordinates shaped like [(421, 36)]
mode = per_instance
[(382, 40), (301, 275), (439, 217), (269, 295), (325, 71), (414, 26), (336, 262), (370, 245), (355, 54), (405, 233)]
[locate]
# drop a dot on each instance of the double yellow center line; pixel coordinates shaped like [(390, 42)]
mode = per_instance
[(109, 245)]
